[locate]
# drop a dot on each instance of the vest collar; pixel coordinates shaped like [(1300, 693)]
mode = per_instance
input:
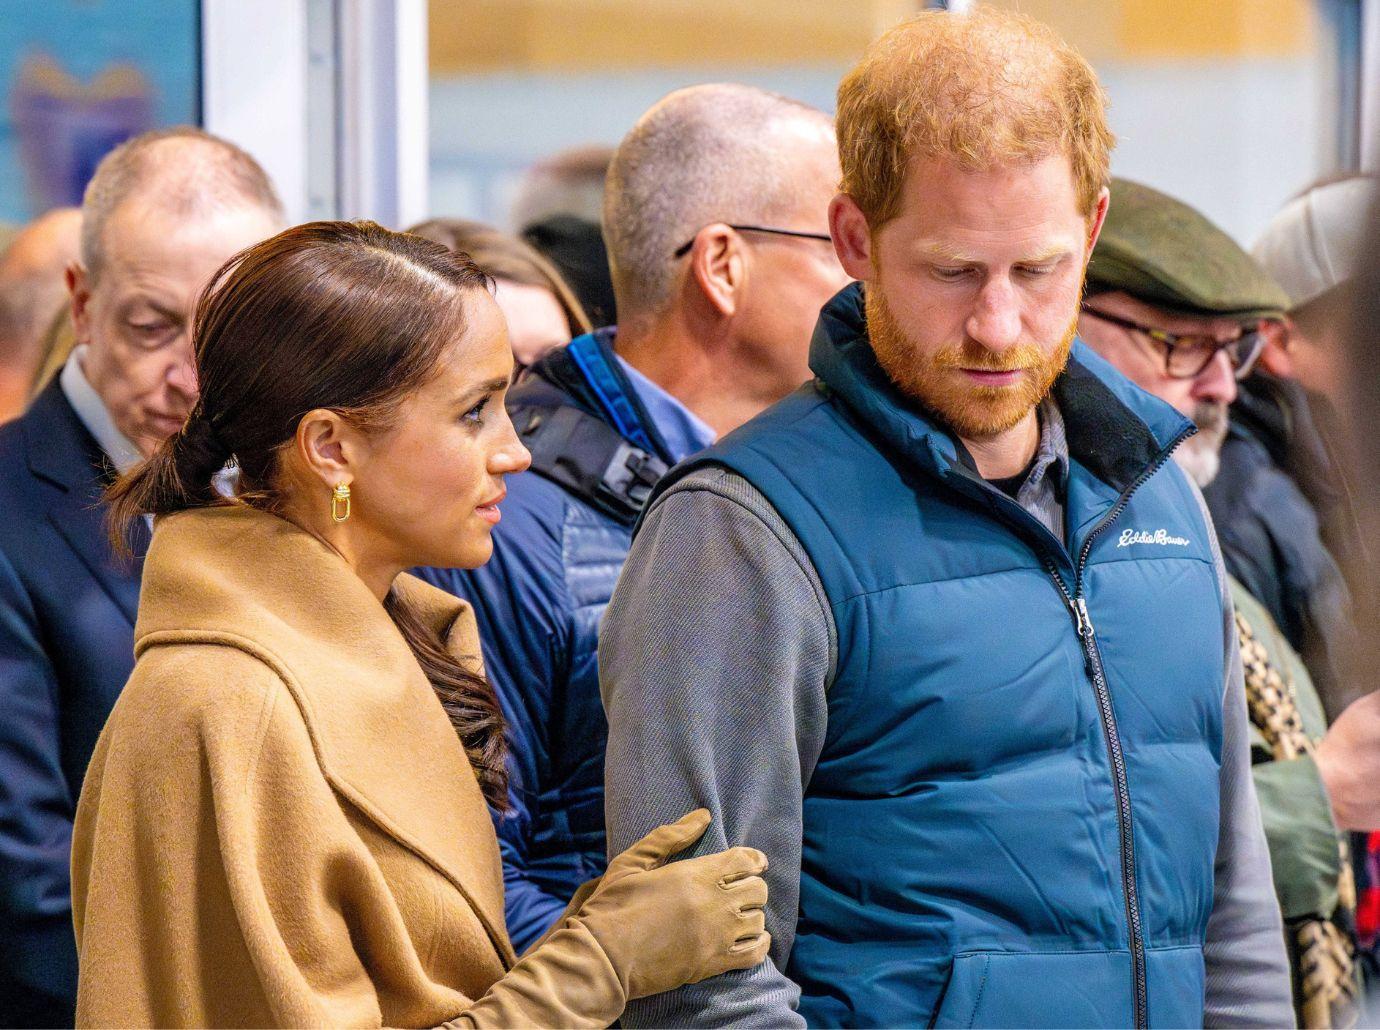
[(239, 577), (1115, 430)]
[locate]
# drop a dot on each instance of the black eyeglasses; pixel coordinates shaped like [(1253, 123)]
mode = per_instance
[(1186, 355), (684, 248)]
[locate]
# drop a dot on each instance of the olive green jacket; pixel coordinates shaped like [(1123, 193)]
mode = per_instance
[(1303, 840)]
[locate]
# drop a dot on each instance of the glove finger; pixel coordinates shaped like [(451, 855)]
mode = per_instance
[(740, 863), (747, 894), (654, 849), (746, 954), (751, 925)]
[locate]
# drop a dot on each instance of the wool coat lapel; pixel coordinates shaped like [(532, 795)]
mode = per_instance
[(257, 582)]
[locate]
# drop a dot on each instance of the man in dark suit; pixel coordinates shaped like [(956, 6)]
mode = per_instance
[(161, 214)]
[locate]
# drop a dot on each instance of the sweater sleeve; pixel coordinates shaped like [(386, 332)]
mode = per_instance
[(713, 659), (1246, 966)]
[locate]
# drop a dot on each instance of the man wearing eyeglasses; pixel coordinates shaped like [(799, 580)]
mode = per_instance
[(716, 221), (1196, 366), (1175, 305)]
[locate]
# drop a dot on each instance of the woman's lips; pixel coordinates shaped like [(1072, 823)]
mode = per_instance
[(986, 377), (488, 511)]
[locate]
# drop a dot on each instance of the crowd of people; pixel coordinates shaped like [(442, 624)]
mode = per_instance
[(868, 570)]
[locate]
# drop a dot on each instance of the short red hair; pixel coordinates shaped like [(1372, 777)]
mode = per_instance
[(983, 88)]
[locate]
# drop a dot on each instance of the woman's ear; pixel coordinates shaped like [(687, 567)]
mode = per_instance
[(328, 446)]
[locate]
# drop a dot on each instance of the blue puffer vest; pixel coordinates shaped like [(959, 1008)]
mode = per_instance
[(1015, 815)]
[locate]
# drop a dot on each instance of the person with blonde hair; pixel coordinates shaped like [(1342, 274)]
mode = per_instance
[(32, 291), (952, 609)]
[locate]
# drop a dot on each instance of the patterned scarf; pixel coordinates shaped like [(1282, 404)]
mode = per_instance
[(1327, 985)]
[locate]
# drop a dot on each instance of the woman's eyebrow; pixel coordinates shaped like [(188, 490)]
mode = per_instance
[(491, 386)]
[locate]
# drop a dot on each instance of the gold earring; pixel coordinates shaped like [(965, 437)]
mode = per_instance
[(340, 502)]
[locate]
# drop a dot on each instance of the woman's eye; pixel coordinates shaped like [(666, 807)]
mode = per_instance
[(475, 415)]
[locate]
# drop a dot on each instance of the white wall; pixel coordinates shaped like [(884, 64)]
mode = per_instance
[(254, 86), (329, 95), (1233, 140)]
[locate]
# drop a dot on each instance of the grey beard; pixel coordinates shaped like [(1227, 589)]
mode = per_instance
[(1200, 456), (1201, 464)]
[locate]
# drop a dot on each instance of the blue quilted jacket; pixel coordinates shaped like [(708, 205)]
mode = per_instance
[(538, 603)]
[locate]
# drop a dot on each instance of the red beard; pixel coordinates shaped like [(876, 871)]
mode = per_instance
[(937, 381)]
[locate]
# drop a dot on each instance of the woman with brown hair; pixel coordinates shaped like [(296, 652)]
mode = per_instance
[(284, 822), (542, 312)]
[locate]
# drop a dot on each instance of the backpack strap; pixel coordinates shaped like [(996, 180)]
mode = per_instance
[(589, 458)]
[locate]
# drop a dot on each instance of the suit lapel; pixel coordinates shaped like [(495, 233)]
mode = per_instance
[(65, 455)]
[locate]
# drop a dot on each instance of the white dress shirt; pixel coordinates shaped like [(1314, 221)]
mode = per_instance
[(94, 415)]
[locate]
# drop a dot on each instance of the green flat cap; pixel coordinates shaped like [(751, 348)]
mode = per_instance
[(1162, 252)]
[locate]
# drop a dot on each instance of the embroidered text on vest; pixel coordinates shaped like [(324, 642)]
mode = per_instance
[(1159, 536)]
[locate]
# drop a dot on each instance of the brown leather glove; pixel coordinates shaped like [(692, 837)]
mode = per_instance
[(642, 928), (663, 926)]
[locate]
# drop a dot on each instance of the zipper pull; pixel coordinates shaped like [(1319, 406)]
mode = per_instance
[(1085, 635), (1085, 624)]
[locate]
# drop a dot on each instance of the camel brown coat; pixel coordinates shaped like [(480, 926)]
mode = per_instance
[(280, 827)]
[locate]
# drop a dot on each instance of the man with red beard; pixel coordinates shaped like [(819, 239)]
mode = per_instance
[(946, 633)]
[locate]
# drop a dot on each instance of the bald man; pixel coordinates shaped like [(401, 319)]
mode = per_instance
[(715, 220), (161, 214), (32, 290)]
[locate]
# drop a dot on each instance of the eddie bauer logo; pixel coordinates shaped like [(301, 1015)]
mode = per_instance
[(1159, 536)]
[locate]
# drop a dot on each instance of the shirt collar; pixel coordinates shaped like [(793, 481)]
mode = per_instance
[(683, 432), (1052, 455), (94, 415)]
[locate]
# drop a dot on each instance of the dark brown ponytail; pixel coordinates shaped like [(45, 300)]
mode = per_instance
[(176, 477), (341, 315), (475, 714)]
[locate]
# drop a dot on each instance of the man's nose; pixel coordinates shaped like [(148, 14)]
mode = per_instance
[(1217, 382), (182, 375), (996, 320)]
